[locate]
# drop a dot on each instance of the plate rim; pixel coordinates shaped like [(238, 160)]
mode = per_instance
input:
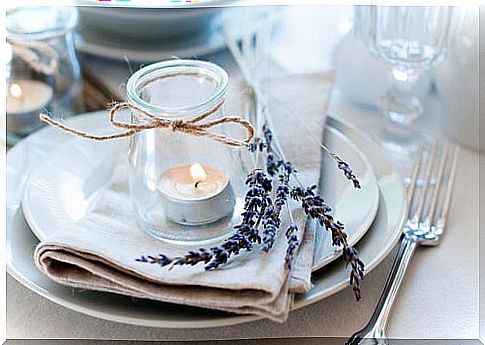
[(231, 319)]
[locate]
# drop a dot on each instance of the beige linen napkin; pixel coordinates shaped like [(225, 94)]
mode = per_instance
[(99, 251)]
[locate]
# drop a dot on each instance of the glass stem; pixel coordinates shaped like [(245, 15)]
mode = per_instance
[(400, 103)]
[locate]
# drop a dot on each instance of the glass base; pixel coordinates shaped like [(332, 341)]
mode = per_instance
[(402, 109), (401, 144), (194, 235)]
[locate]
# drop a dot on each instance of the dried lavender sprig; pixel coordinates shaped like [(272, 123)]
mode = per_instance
[(285, 170), (271, 219), (271, 223), (292, 240), (212, 258), (351, 256), (293, 243), (341, 164), (316, 208), (348, 172), (282, 196)]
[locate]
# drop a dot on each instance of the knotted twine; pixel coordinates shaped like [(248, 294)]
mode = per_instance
[(193, 126), (30, 53)]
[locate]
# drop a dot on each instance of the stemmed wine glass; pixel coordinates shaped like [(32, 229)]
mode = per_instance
[(409, 39)]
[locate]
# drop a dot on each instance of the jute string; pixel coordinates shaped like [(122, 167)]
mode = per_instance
[(30, 53), (194, 126)]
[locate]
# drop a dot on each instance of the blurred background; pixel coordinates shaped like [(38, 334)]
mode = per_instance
[(98, 49)]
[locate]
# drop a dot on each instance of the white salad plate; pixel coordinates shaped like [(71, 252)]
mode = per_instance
[(65, 187), (41, 147)]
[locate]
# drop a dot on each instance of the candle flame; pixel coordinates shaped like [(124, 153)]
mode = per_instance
[(198, 173), (16, 90)]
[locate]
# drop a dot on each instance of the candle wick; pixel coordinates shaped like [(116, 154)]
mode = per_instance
[(197, 183)]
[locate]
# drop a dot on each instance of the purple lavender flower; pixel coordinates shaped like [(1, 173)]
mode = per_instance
[(293, 243), (316, 208), (348, 173)]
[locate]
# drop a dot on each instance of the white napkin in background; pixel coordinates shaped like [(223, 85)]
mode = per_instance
[(99, 251)]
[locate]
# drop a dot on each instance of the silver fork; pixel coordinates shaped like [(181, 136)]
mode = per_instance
[(420, 229)]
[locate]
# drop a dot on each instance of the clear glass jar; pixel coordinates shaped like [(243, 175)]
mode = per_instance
[(184, 188), (41, 36)]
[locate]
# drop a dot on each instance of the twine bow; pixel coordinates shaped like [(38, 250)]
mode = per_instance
[(30, 53), (193, 126)]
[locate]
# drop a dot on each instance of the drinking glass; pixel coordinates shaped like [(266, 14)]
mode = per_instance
[(409, 39)]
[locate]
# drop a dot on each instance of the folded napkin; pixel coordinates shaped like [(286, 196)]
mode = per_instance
[(99, 251)]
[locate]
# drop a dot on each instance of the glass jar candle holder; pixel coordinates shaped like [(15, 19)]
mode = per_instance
[(185, 188), (44, 72)]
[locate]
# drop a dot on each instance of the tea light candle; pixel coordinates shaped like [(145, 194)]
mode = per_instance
[(25, 100), (195, 194)]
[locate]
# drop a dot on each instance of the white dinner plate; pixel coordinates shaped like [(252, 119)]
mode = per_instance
[(64, 188), (373, 247)]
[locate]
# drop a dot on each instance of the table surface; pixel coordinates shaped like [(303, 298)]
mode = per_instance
[(439, 296)]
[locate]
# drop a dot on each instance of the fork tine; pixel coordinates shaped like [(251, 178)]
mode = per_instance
[(449, 190), (437, 187), (414, 178), (427, 178)]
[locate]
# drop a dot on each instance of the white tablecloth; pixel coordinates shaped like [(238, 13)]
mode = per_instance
[(438, 299)]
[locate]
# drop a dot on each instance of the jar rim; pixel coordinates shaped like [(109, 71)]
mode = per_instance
[(69, 15), (173, 67)]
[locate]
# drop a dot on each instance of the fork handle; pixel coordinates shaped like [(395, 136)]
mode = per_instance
[(376, 327)]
